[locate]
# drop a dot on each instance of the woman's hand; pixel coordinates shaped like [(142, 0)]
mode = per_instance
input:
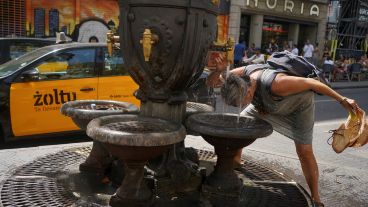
[(217, 61), (215, 80), (349, 104)]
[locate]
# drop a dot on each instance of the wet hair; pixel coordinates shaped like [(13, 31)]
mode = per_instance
[(234, 89)]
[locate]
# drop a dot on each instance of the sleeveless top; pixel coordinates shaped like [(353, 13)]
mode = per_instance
[(292, 116)]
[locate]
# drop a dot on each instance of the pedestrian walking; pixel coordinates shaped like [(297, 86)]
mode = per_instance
[(316, 55), (295, 50), (308, 51), (239, 53), (287, 102)]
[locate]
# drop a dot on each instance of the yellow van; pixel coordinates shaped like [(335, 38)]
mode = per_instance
[(34, 86)]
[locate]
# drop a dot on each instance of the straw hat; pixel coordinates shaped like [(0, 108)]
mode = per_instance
[(352, 133), (339, 141), (363, 138)]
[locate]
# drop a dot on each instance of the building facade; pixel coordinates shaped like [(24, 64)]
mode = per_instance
[(13, 17), (39, 22), (78, 19), (278, 21), (54, 22), (44, 18)]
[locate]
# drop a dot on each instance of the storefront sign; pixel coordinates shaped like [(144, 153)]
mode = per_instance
[(288, 6)]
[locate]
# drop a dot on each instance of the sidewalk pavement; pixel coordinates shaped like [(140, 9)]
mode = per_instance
[(337, 85), (340, 186), (349, 84)]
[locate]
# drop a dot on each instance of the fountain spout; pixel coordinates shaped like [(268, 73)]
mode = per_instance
[(148, 40)]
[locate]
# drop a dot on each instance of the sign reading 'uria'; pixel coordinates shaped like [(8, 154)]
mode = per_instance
[(295, 7)]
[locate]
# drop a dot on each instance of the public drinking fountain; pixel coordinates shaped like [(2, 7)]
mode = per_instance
[(164, 56), (164, 45)]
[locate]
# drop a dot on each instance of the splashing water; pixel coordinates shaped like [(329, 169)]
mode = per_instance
[(239, 111), (227, 72), (233, 92), (224, 106)]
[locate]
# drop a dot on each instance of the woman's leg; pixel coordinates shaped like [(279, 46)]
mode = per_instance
[(309, 167)]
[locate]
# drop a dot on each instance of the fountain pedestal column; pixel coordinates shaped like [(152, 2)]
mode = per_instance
[(174, 172), (164, 45)]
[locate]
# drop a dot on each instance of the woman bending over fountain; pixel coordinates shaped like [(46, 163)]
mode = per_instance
[(287, 102)]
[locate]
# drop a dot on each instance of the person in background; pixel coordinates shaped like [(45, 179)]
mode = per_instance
[(328, 61), (308, 51), (272, 47), (257, 58), (364, 62), (295, 50), (326, 53), (239, 52), (251, 50), (341, 66), (316, 55), (286, 46)]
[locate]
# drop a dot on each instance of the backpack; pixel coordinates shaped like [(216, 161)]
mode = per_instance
[(296, 65)]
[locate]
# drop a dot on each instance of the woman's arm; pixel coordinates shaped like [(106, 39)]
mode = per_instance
[(216, 78), (285, 85)]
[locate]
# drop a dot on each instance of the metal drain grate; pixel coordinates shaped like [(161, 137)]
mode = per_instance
[(250, 169), (280, 194), (36, 184), (35, 191), (54, 163)]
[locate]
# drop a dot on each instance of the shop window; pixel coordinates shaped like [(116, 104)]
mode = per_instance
[(274, 36), (245, 28)]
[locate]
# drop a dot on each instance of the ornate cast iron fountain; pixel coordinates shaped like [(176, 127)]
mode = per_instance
[(164, 56), (164, 45)]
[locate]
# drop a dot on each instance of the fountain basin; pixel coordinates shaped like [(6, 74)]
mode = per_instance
[(135, 131), (83, 111), (195, 108), (225, 126)]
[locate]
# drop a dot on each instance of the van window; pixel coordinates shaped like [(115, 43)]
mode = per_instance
[(19, 49), (77, 63), (113, 65)]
